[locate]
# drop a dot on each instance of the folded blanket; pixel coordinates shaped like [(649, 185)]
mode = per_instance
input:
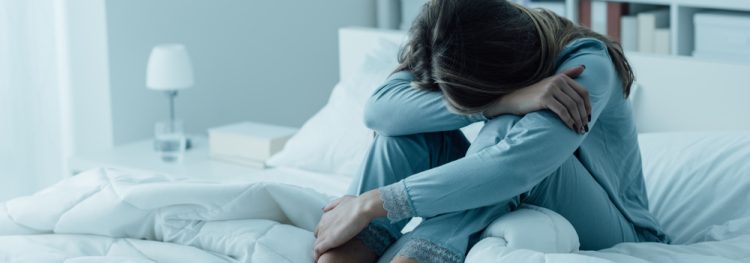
[(258, 222)]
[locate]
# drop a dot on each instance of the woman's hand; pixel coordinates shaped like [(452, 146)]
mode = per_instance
[(559, 93), (344, 218)]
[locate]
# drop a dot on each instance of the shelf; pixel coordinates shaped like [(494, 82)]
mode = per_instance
[(682, 27), (740, 5)]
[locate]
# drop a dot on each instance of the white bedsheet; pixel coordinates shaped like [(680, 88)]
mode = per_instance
[(538, 235), (114, 216)]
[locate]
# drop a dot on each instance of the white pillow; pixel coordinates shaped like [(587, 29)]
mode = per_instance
[(696, 180), (335, 140)]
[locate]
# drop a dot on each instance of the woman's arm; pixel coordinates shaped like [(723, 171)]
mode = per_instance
[(397, 108), (537, 145), (559, 93)]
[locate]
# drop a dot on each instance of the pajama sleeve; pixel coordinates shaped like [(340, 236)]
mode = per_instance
[(532, 149), (396, 108)]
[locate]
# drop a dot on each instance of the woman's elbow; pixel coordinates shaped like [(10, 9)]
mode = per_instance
[(375, 118)]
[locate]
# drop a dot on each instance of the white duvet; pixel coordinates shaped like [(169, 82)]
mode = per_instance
[(110, 216)]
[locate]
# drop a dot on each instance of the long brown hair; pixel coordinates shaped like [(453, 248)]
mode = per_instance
[(476, 51)]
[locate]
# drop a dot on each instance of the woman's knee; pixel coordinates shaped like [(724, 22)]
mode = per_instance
[(493, 132)]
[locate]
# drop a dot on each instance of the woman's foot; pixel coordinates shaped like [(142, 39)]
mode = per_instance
[(352, 251), (400, 259)]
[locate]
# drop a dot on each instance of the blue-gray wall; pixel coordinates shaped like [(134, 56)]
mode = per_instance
[(271, 61)]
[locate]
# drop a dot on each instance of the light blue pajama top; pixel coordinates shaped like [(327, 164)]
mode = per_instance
[(537, 145)]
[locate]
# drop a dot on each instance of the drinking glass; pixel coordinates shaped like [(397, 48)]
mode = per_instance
[(170, 141)]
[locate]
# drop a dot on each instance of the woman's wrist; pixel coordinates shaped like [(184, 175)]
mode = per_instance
[(371, 204), (499, 107)]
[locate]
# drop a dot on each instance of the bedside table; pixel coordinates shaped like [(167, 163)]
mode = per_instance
[(141, 156)]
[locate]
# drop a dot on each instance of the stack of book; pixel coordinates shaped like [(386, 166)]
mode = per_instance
[(249, 144), (638, 28), (652, 31)]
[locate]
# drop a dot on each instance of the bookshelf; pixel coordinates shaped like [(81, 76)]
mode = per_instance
[(681, 17)]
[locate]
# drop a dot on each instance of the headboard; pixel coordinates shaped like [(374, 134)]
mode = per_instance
[(679, 93), (674, 94)]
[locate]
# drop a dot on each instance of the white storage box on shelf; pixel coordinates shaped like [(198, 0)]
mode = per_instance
[(248, 143), (722, 35)]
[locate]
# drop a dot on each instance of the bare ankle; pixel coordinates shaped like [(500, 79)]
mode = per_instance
[(400, 259), (352, 251)]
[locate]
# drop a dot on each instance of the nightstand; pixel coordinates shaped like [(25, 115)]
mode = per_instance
[(141, 156)]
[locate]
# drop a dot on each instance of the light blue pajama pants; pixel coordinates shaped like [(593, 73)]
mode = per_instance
[(570, 191)]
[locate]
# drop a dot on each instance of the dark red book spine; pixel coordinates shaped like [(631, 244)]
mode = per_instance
[(584, 13), (615, 11)]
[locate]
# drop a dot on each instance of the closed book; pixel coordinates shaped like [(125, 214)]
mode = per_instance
[(662, 41), (648, 22), (615, 12), (629, 33), (584, 13), (240, 161), (248, 140)]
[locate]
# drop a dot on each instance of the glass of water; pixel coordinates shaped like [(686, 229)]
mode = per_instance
[(170, 141)]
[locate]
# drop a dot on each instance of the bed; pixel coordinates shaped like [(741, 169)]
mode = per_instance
[(697, 174)]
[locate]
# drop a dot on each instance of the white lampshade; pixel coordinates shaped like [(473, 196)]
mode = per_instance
[(169, 68)]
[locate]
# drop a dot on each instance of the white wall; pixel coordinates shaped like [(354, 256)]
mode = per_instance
[(272, 61)]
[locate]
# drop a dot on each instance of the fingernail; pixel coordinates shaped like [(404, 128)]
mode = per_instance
[(586, 128), (584, 66)]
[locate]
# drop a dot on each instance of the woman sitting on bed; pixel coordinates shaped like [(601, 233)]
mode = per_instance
[(483, 60)]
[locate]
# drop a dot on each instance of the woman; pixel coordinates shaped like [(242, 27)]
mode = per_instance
[(477, 60)]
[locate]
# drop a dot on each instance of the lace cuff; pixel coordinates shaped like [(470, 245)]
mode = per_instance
[(396, 202), (425, 251), (376, 238)]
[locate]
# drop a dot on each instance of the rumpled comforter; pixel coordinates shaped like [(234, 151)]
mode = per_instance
[(115, 216)]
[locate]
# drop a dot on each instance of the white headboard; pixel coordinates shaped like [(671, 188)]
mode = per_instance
[(678, 93), (675, 94)]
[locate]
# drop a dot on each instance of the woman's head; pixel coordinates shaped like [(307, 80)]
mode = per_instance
[(476, 51)]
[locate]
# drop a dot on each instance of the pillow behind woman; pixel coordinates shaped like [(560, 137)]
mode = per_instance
[(335, 139)]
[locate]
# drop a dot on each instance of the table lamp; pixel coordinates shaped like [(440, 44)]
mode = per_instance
[(169, 70)]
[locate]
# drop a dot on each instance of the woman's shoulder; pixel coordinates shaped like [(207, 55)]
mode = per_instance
[(600, 75), (582, 46), (403, 75)]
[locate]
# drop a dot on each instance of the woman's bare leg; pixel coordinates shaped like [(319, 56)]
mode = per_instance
[(352, 251), (403, 260)]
